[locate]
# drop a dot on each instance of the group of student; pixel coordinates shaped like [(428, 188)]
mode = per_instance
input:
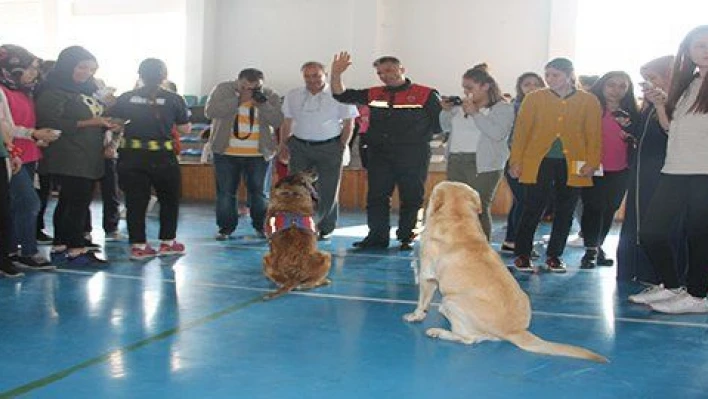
[(594, 145), (553, 138)]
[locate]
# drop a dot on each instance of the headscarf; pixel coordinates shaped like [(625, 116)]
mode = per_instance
[(62, 76), (662, 66), (14, 60)]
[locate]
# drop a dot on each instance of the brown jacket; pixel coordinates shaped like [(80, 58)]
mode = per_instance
[(222, 107), (545, 117)]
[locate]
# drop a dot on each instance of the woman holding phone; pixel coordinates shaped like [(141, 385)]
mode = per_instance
[(147, 159), (66, 103), (479, 127), (632, 261), (683, 184), (620, 114)]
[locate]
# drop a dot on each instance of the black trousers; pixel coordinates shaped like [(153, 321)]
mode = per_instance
[(676, 194), (5, 221), (139, 171), (110, 198), (517, 206), (552, 176), (75, 197), (404, 167), (600, 202), (44, 191)]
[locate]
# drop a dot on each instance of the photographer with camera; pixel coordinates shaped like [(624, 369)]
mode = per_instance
[(479, 126), (615, 92), (244, 118)]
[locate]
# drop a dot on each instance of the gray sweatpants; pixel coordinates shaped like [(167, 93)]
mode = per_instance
[(462, 167), (326, 160)]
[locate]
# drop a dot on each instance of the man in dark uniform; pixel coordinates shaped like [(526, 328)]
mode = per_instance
[(404, 117)]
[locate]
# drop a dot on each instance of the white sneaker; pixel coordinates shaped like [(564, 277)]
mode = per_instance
[(681, 303), (654, 293), (577, 242)]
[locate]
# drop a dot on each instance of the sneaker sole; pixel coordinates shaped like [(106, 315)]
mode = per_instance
[(171, 253), (558, 271), (8, 275), (38, 268), (142, 257)]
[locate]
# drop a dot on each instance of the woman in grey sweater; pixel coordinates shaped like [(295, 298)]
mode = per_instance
[(479, 127), (66, 103)]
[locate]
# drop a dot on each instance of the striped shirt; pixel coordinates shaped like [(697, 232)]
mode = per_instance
[(244, 141)]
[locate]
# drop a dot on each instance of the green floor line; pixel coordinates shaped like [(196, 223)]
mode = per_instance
[(42, 382)]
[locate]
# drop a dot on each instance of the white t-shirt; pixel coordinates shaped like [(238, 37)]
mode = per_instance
[(464, 134), (316, 117), (687, 148)]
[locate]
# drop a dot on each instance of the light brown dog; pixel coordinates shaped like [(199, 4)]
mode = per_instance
[(294, 261), (480, 297)]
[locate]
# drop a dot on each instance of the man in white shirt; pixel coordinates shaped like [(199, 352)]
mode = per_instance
[(314, 135)]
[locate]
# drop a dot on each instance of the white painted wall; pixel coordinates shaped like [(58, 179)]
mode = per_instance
[(436, 40)]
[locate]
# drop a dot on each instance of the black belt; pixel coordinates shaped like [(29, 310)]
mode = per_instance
[(314, 142)]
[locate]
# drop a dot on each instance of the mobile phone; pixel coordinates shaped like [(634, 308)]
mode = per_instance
[(119, 121), (454, 100), (620, 113)]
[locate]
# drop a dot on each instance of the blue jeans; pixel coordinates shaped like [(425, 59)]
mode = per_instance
[(24, 207), (227, 172)]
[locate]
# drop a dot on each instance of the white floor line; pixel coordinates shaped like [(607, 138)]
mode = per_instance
[(399, 301), (335, 253)]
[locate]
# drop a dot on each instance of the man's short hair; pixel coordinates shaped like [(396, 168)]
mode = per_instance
[(387, 59), (250, 75), (310, 64)]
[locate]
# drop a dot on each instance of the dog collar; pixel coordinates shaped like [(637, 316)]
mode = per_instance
[(285, 220)]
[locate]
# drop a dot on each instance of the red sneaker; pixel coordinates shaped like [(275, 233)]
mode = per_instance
[(145, 253), (175, 249)]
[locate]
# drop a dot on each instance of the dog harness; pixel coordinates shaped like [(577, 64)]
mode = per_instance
[(286, 220)]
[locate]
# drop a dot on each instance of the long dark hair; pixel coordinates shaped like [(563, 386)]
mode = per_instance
[(520, 80), (627, 103), (683, 74), (480, 74)]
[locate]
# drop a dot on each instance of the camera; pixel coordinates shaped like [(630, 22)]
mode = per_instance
[(454, 100), (258, 95)]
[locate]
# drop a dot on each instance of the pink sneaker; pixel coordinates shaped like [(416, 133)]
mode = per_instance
[(175, 249), (145, 253)]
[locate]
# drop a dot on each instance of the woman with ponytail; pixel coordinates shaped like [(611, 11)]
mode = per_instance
[(147, 160), (479, 127)]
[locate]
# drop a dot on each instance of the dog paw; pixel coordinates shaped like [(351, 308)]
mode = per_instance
[(415, 316), (434, 332)]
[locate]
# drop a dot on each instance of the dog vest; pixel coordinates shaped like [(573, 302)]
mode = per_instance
[(285, 220)]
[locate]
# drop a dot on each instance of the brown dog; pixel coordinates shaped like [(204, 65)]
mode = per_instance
[(480, 297), (294, 261)]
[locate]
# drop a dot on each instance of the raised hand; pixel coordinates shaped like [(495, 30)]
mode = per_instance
[(341, 62)]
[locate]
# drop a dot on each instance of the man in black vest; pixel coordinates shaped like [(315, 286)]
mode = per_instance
[(404, 117)]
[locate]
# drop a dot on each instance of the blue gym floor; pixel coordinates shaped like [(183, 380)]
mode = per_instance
[(195, 327)]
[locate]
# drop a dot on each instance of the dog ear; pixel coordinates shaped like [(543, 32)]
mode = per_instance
[(476, 201), (437, 199)]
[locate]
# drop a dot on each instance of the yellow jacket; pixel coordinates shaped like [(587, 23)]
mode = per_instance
[(543, 117)]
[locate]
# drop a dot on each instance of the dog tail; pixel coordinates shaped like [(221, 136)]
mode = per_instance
[(532, 343), (280, 291)]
